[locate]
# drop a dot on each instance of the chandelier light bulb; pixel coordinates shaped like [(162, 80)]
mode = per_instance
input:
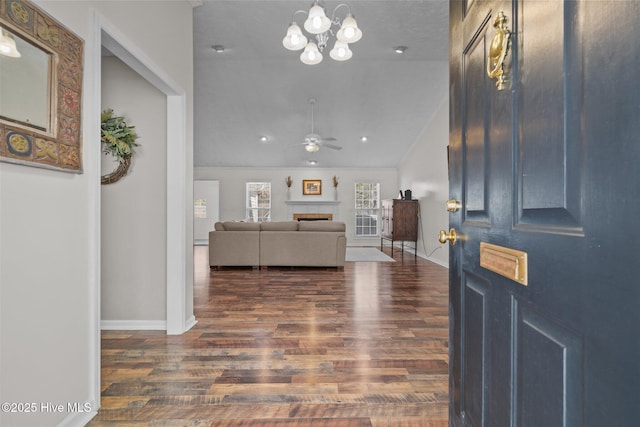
[(349, 32)]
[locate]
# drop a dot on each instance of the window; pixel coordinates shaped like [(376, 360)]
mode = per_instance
[(200, 208), (258, 201), (367, 208)]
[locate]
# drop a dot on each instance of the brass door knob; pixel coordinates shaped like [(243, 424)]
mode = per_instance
[(450, 236), (454, 205)]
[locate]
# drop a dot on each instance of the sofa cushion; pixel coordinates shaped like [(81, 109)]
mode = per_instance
[(321, 225), (241, 226), (279, 226), (218, 226)]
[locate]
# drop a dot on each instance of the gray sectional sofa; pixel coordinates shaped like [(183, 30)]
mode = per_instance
[(279, 243)]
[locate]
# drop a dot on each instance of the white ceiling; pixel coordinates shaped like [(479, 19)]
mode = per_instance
[(257, 87)]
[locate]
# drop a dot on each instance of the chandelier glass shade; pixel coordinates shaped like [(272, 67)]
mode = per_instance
[(311, 55), (319, 26), (8, 45), (294, 40)]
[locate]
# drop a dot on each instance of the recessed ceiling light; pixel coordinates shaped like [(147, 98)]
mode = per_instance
[(313, 162), (364, 138), (400, 49), (264, 138), (218, 48)]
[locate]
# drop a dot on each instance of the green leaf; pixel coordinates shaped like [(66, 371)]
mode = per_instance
[(117, 136)]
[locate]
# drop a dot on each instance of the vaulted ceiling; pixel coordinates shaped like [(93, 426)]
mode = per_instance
[(258, 88)]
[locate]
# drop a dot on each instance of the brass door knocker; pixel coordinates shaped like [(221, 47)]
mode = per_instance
[(498, 52)]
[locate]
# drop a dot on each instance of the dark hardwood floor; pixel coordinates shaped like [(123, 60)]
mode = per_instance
[(366, 345)]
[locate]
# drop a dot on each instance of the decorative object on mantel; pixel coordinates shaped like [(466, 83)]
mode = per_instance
[(311, 187), (318, 24), (288, 181), (118, 139), (335, 187), (42, 125)]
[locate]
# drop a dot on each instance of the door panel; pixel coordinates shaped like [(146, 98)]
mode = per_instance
[(548, 196), (474, 345), (474, 138), (541, 121), (547, 371), (548, 167)]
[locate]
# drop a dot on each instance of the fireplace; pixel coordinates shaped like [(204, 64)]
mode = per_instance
[(312, 216), (313, 210)]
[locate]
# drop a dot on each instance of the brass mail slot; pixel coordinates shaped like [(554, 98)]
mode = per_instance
[(509, 263)]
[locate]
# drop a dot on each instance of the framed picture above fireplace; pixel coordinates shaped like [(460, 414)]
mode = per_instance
[(311, 187)]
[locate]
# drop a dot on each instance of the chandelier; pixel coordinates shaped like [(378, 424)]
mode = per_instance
[(319, 25)]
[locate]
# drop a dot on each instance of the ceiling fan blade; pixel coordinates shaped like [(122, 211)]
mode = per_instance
[(333, 147), (328, 139)]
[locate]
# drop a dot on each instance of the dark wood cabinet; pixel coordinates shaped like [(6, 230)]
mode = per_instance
[(400, 222)]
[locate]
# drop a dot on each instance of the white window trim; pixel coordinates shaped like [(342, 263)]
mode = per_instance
[(368, 211)]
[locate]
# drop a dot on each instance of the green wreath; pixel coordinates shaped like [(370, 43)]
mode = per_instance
[(119, 140)]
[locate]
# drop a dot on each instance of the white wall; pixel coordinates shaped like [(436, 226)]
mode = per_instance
[(232, 191), (423, 170), (134, 217), (49, 223)]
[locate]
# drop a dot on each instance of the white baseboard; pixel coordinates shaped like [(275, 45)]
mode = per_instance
[(190, 323), (434, 260), (133, 325), (437, 261)]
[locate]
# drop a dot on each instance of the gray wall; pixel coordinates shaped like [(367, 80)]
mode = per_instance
[(50, 223), (134, 220), (424, 171)]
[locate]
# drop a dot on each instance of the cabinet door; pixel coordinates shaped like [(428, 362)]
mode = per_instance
[(387, 218), (404, 220)]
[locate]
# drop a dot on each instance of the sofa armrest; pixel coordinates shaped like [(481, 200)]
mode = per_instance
[(234, 248)]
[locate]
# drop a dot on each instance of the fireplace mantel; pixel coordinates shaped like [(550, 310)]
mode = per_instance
[(312, 202), (313, 207)]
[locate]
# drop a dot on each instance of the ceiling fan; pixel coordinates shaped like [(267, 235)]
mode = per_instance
[(312, 141)]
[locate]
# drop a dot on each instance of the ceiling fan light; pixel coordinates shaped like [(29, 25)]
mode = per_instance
[(349, 31), (8, 45), (312, 147), (311, 55), (294, 40), (341, 51), (317, 22)]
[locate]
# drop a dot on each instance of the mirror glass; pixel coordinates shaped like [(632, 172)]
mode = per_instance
[(24, 85)]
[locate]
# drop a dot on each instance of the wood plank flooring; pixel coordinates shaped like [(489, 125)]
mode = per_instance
[(366, 345)]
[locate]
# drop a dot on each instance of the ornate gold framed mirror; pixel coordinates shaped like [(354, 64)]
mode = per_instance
[(40, 89)]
